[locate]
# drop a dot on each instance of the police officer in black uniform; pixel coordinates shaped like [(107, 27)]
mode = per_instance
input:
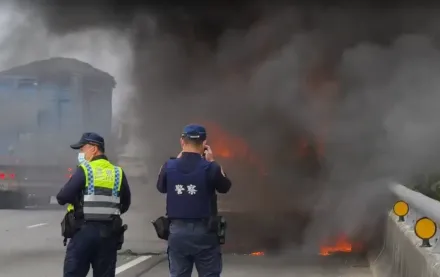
[(191, 182), (97, 194)]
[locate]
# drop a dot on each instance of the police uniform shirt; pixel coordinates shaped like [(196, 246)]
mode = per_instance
[(217, 180)]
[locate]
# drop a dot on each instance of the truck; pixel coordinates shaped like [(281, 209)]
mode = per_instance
[(45, 106)]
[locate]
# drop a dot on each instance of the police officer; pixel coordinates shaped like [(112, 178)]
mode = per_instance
[(191, 182), (98, 192)]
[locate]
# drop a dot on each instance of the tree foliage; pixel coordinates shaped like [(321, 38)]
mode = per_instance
[(427, 184)]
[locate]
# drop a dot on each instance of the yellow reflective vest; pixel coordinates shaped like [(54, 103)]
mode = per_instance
[(101, 192)]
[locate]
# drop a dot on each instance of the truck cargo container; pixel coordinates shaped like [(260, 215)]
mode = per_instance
[(45, 106)]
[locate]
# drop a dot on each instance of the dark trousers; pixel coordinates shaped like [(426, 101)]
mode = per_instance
[(92, 245), (190, 244)]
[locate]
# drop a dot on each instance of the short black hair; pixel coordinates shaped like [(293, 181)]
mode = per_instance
[(196, 142), (101, 149)]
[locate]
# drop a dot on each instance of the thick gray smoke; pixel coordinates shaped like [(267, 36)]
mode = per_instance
[(26, 39), (380, 122), (363, 80)]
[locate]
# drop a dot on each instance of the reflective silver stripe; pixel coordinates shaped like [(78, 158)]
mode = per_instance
[(101, 198), (101, 210), (101, 204), (98, 217)]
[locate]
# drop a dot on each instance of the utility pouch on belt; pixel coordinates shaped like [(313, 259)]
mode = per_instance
[(162, 227), (217, 224), (68, 226)]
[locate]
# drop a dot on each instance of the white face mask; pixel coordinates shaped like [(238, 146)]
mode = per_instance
[(81, 157)]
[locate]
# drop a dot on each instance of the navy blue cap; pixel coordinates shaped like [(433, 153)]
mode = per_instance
[(89, 138), (195, 132)]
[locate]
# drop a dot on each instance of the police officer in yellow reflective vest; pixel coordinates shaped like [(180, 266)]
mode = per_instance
[(97, 194)]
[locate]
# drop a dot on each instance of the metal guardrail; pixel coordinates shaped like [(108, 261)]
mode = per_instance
[(421, 208), (418, 202), (411, 245)]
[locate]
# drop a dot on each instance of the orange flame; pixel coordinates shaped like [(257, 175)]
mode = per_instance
[(342, 245), (228, 146), (257, 254)]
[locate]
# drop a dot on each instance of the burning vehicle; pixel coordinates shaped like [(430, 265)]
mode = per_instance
[(278, 187)]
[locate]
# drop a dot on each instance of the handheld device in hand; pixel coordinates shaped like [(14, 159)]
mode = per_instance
[(204, 152)]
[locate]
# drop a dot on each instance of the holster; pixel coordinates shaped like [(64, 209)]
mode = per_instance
[(116, 225), (218, 225), (69, 226), (162, 227), (121, 236), (118, 230)]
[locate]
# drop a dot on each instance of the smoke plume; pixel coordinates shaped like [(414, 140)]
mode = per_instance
[(363, 80)]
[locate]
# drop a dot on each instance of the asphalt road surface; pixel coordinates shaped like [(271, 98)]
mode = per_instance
[(31, 242), (31, 245), (284, 266)]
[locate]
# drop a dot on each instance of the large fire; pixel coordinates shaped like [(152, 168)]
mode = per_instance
[(228, 146), (341, 245)]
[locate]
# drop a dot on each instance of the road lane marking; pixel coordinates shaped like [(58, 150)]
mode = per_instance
[(132, 263), (36, 225)]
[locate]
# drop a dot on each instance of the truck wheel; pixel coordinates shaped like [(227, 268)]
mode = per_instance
[(17, 200), (11, 200), (3, 200)]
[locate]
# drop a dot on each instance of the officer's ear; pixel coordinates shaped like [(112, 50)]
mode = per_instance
[(95, 149)]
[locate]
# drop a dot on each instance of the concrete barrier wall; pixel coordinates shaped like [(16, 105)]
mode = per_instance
[(402, 254)]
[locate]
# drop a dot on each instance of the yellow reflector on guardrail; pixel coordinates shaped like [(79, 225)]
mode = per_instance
[(401, 209), (425, 229)]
